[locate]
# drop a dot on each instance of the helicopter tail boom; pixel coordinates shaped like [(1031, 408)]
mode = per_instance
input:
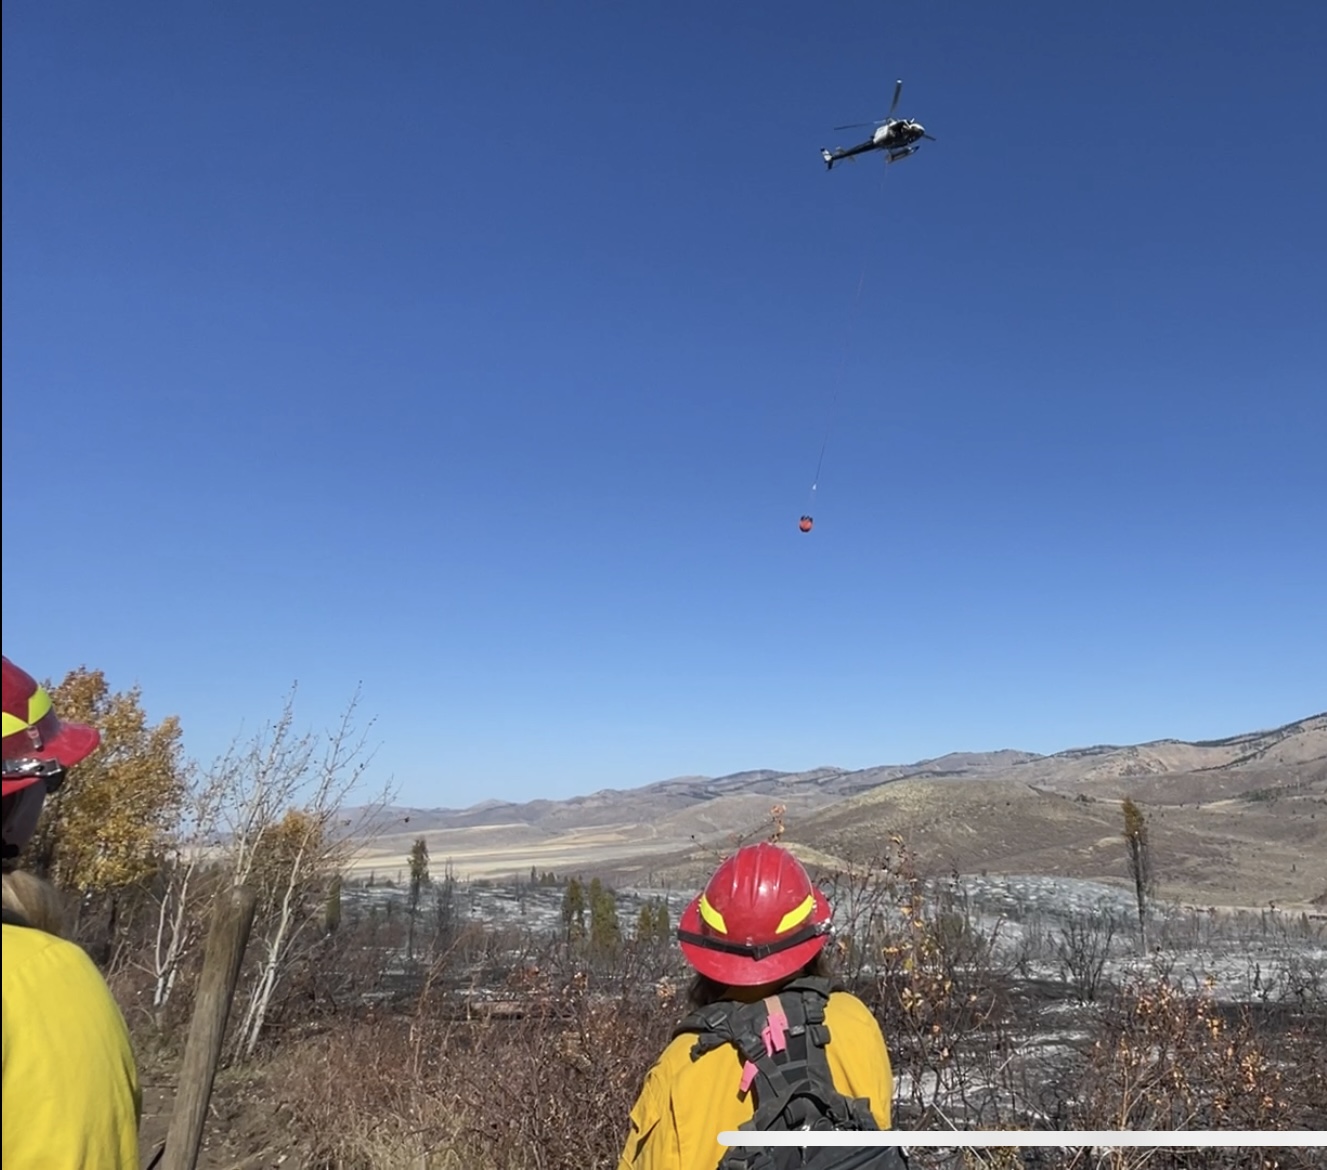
[(833, 156)]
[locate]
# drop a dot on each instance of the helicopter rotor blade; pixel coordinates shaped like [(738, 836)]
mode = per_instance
[(856, 125), (930, 137), (898, 89)]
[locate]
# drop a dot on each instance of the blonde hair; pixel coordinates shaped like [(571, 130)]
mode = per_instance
[(37, 902)]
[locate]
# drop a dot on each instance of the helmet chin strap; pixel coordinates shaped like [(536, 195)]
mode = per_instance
[(755, 950)]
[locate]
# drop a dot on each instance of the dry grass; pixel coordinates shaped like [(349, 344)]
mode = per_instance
[(551, 1088), (432, 1079)]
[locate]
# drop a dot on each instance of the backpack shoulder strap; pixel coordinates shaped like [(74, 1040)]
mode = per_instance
[(794, 1084), (781, 1040), (816, 984), (724, 1022)]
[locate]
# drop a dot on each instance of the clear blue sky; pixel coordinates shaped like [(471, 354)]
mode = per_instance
[(483, 353)]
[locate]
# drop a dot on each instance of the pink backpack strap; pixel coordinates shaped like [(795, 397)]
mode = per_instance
[(748, 1075), (775, 1032), (774, 1035)]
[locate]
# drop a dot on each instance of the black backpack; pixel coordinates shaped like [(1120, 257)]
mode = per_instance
[(792, 1084)]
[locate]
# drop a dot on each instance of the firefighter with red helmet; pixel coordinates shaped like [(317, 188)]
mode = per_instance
[(71, 1088), (770, 1033)]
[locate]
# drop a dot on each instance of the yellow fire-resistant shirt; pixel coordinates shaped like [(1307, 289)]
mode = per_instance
[(685, 1104), (71, 1094)]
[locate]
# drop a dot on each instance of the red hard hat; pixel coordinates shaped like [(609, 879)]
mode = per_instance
[(36, 743), (760, 919)]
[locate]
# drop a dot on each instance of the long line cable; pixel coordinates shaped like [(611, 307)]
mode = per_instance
[(834, 391), (838, 379)]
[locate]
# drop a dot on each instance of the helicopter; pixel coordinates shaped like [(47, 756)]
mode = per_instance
[(899, 137)]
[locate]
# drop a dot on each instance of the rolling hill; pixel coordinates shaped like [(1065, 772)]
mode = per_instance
[(1236, 821)]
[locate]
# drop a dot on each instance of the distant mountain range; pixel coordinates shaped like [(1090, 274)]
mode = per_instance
[(1235, 819)]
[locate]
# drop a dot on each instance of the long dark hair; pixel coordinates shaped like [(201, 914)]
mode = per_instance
[(705, 991)]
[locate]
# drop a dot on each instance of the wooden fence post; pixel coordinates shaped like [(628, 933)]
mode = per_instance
[(232, 920)]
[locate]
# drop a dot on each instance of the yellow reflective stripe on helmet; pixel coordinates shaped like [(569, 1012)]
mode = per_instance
[(798, 916), (38, 706), (13, 724), (712, 917)]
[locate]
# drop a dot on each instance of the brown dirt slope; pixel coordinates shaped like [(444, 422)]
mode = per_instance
[(1245, 851), (1235, 820)]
